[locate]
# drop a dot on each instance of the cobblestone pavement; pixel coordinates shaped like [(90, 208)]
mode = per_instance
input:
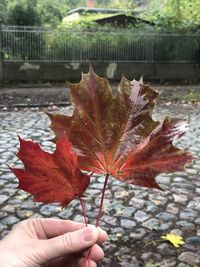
[(134, 217)]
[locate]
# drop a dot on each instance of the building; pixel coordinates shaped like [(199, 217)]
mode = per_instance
[(104, 16)]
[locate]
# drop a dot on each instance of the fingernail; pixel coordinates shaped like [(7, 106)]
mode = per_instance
[(89, 233)]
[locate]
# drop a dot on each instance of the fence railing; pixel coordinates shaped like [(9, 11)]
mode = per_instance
[(37, 44)]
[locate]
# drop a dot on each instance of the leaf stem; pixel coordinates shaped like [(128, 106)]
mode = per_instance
[(88, 256), (102, 198), (83, 211)]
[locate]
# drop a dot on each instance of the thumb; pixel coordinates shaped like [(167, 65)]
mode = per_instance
[(68, 243)]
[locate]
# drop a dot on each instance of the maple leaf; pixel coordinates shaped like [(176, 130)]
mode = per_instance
[(176, 240), (49, 177), (117, 136)]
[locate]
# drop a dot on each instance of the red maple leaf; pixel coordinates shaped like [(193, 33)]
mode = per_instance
[(49, 177), (117, 135)]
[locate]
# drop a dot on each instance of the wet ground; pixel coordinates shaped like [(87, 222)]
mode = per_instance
[(34, 95), (134, 217)]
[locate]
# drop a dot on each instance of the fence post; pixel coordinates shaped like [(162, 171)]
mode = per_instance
[(1, 56), (149, 53)]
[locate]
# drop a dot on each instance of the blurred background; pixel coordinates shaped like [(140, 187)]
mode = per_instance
[(54, 40)]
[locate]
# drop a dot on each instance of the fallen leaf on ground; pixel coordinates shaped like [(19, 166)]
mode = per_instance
[(176, 240)]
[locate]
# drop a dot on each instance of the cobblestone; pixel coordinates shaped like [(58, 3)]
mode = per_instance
[(128, 224), (190, 258), (134, 217), (141, 216)]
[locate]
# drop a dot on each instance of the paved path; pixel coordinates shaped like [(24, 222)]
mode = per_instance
[(57, 94), (135, 218)]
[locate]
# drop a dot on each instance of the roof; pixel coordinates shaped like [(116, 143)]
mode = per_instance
[(117, 17), (99, 10), (117, 20), (122, 20)]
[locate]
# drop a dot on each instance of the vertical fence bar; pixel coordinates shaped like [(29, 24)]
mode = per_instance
[(1, 55)]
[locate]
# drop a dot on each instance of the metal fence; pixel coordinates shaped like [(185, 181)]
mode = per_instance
[(37, 44)]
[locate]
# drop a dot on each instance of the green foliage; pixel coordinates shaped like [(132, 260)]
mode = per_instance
[(175, 15), (51, 12), (99, 43), (103, 2), (125, 4), (29, 46), (169, 15), (2, 11), (22, 13)]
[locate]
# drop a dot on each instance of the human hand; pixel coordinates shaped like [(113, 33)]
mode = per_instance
[(51, 242)]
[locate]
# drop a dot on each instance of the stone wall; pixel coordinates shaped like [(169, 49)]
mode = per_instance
[(59, 72)]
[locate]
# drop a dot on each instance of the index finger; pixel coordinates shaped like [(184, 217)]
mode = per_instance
[(55, 227)]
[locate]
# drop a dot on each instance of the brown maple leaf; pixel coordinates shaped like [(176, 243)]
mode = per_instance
[(117, 136), (49, 177)]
